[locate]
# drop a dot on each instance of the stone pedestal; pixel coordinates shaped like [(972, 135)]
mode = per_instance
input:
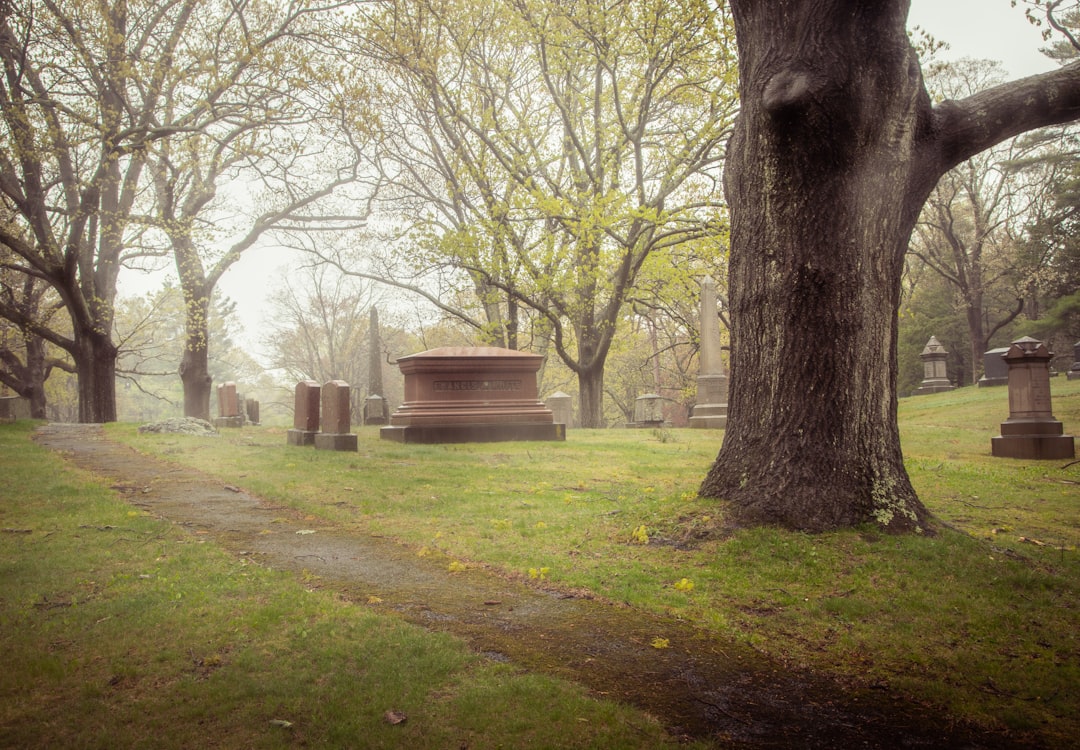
[(711, 410), (647, 411), (562, 408), (471, 394), (1031, 431), (305, 414), (935, 374), (335, 428)]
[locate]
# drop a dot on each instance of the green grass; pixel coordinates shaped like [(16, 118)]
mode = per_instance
[(119, 630), (980, 618)]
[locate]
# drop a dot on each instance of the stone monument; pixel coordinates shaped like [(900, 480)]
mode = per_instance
[(1031, 430), (251, 410), (712, 383), (229, 414), (471, 395), (305, 414), (935, 375), (1074, 371), (648, 411), (995, 371), (335, 426), (562, 408), (375, 409)]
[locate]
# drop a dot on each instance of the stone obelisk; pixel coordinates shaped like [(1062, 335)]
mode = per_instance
[(712, 382), (375, 407)]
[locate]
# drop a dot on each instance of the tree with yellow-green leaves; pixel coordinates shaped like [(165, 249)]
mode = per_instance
[(123, 118), (542, 153)]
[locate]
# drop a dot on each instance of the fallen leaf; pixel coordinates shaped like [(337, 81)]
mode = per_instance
[(232, 488), (281, 723), (305, 532), (395, 717)]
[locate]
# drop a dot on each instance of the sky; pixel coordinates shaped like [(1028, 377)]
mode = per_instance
[(987, 29)]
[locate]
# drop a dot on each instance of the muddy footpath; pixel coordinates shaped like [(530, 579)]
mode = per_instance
[(701, 687)]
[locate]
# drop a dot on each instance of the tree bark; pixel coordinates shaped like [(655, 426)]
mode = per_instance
[(95, 362), (835, 151), (590, 396), (195, 362)]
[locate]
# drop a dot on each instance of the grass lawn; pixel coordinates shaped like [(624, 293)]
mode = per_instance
[(981, 617)]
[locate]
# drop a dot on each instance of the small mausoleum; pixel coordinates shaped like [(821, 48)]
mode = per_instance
[(471, 395)]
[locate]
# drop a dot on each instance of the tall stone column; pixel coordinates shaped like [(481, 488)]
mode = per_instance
[(712, 382), (375, 407)]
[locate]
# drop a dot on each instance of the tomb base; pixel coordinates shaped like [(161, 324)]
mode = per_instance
[(474, 433), (335, 441), (1072, 375), (1033, 439), (709, 417), (236, 421), (934, 386), (300, 437)]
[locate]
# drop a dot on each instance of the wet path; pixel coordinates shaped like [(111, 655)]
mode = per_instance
[(699, 687)]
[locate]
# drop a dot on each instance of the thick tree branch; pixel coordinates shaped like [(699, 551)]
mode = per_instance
[(966, 127)]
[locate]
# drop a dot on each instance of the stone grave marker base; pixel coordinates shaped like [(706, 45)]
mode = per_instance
[(474, 433), (300, 437), (334, 441)]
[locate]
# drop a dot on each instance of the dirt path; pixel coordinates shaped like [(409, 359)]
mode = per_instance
[(700, 687)]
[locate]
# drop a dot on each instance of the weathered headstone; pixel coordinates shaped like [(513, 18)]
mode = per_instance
[(1031, 430), (712, 382), (995, 371), (335, 428), (935, 374), (251, 409), (229, 414), (647, 411), (13, 408), (1074, 371), (375, 410), (471, 394), (305, 414), (562, 408)]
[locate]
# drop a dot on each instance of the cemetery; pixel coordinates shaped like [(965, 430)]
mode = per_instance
[(539, 374)]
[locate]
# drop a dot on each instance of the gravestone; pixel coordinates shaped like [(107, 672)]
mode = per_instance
[(647, 411), (375, 410), (1074, 371), (335, 428), (471, 395), (13, 408), (995, 371), (1031, 430), (935, 375), (305, 414), (562, 408), (710, 411), (251, 409), (229, 414)]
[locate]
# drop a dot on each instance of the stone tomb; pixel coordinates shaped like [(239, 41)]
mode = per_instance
[(229, 414), (1031, 430), (935, 374), (335, 427), (562, 408), (471, 395), (305, 414)]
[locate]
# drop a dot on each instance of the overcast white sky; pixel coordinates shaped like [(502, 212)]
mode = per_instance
[(990, 29)]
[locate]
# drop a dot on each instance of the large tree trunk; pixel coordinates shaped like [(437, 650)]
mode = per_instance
[(823, 201), (590, 397), (95, 361), (195, 362), (834, 153)]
